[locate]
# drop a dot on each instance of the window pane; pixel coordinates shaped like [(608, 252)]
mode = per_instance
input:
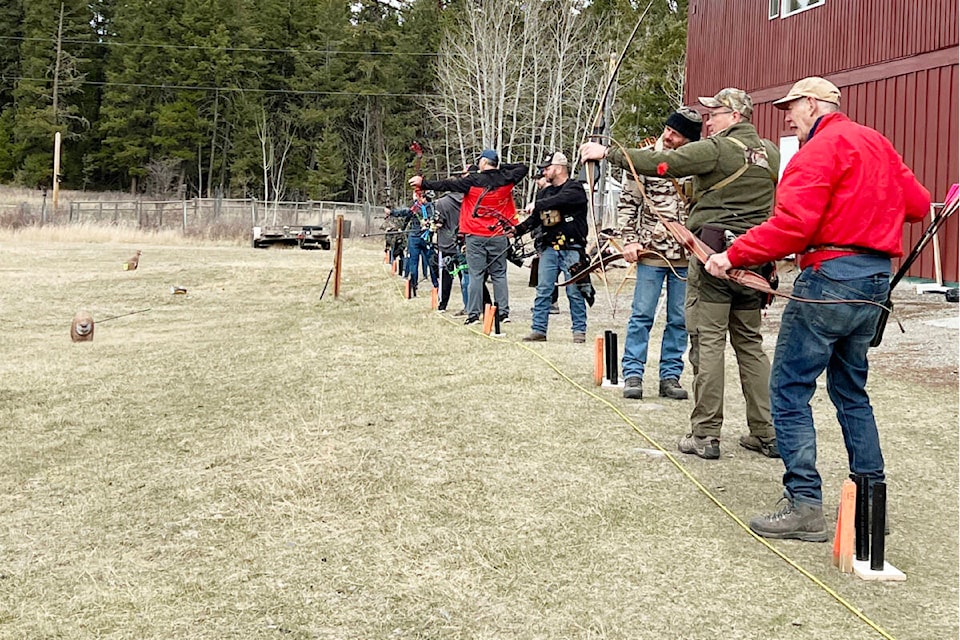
[(793, 6), (774, 8)]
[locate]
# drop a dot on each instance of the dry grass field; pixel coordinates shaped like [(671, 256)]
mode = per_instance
[(248, 461)]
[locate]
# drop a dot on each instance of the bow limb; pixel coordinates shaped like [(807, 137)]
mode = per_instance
[(599, 125), (599, 263), (417, 169)]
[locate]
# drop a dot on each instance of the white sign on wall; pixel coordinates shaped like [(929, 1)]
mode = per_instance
[(789, 145)]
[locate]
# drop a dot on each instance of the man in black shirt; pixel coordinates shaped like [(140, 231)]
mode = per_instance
[(560, 211)]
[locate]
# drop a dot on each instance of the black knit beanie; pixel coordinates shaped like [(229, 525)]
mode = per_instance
[(684, 124)]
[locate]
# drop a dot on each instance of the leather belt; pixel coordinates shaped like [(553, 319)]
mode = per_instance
[(849, 248)]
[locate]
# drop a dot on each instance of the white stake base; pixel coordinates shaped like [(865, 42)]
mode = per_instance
[(931, 287), (889, 573)]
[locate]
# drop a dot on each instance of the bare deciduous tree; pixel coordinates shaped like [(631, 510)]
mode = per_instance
[(519, 77), (162, 175), (276, 134)]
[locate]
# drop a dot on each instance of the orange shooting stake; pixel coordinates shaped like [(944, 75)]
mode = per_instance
[(598, 361), (843, 539), (488, 314)]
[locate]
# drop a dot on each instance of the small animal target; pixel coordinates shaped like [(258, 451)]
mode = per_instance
[(81, 329), (132, 263)]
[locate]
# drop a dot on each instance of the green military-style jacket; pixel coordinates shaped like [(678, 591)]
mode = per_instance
[(738, 205)]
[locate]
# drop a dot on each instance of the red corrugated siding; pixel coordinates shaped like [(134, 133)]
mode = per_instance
[(917, 110), (733, 43)]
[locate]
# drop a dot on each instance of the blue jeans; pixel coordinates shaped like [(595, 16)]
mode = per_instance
[(835, 337), (646, 295), (552, 263), (419, 253)]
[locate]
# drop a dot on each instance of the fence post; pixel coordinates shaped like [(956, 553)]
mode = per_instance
[(366, 218), (184, 228)]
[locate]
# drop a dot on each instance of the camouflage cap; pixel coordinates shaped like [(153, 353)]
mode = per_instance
[(734, 99)]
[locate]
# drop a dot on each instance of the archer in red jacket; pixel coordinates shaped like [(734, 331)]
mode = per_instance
[(487, 215), (840, 208)]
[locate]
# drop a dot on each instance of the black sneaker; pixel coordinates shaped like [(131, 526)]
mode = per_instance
[(554, 309), (670, 388), (504, 319), (471, 320), (633, 388)]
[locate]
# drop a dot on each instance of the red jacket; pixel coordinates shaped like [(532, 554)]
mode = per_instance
[(846, 186), (488, 208)]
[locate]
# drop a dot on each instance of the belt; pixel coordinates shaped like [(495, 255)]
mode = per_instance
[(849, 248)]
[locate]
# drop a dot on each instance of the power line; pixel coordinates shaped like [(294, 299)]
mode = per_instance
[(178, 87), (181, 47)]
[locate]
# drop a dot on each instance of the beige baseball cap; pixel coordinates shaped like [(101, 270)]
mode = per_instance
[(812, 87), (731, 98), (555, 158)]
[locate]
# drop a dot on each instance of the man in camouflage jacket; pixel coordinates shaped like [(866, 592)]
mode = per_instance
[(642, 231), (734, 175)]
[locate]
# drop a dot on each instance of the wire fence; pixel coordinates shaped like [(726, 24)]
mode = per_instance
[(201, 213), (213, 217)]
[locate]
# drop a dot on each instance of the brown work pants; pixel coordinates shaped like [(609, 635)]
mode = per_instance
[(714, 309)]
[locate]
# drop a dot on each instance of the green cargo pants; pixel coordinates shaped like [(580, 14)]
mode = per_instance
[(715, 308)]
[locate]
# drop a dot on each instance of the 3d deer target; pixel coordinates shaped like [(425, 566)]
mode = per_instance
[(81, 329), (132, 263)]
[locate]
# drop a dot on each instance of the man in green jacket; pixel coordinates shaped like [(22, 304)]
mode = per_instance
[(734, 174)]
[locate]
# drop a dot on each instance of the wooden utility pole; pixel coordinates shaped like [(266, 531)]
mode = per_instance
[(56, 69), (56, 118), (56, 171)]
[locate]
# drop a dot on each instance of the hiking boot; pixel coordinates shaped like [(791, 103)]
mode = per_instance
[(554, 309), (579, 338), (766, 446), (472, 320), (670, 388), (535, 336), (633, 388), (707, 447), (794, 521)]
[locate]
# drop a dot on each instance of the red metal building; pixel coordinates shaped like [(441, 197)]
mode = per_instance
[(895, 62)]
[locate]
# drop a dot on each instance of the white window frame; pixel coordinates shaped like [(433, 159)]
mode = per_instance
[(775, 9), (784, 13)]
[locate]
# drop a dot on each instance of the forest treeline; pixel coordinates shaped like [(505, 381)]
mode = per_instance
[(316, 99)]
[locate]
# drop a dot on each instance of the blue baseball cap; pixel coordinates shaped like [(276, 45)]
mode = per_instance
[(491, 155)]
